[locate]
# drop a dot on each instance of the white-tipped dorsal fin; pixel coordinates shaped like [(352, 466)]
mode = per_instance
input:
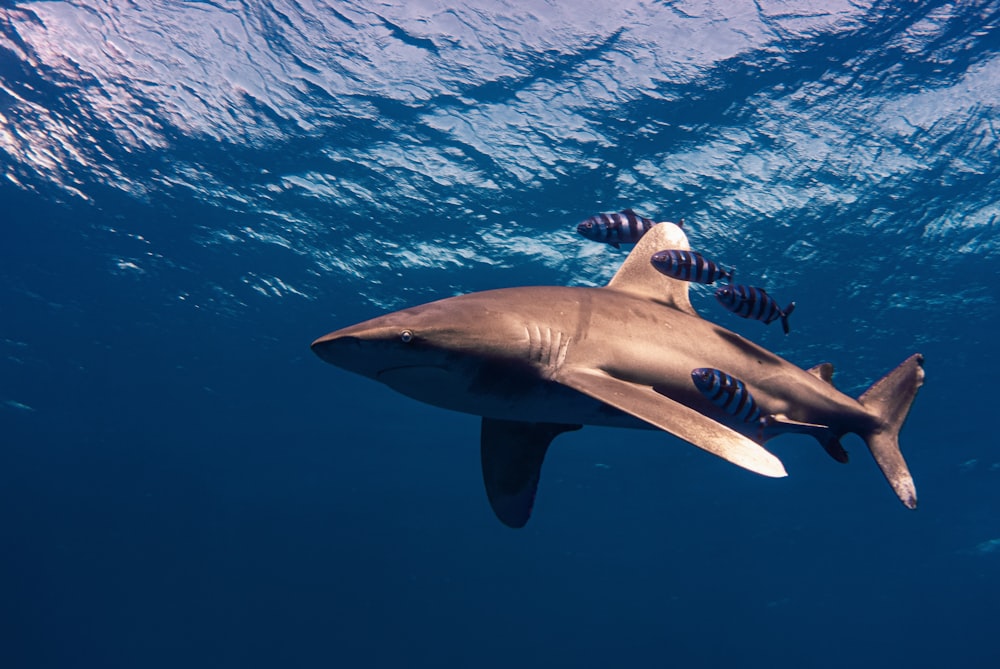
[(824, 371), (638, 276)]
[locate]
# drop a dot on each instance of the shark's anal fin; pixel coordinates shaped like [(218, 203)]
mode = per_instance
[(512, 453), (671, 416), (638, 276), (835, 449)]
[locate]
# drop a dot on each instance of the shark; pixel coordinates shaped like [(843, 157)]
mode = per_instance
[(535, 362)]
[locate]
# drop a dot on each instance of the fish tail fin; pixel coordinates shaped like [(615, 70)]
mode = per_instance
[(889, 400), (785, 314)]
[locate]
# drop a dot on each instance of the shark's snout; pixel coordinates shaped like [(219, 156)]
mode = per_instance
[(336, 349), (368, 348)]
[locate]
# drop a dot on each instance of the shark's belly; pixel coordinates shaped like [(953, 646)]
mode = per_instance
[(505, 393)]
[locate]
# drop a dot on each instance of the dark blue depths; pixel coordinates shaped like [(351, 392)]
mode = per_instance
[(183, 483)]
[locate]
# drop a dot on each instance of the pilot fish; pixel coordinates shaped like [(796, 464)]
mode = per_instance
[(752, 302), (689, 266), (624, 227), (727, 392)]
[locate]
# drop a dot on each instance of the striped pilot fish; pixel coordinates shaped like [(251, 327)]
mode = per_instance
[(689, 266), (624, 227), (728, 393), (751, 302)]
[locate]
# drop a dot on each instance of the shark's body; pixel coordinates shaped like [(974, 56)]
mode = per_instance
[(538, 361)]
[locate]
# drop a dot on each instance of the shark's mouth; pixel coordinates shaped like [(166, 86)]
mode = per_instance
[(409, 379), (409, 370), (432, 383)]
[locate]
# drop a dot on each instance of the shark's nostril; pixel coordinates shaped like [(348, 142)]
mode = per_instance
[(337, 350)]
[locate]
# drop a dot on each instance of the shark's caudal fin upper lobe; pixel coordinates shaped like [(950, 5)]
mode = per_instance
[(889, 399)]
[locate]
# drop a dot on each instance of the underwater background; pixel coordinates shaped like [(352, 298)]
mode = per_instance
[(191, 192)]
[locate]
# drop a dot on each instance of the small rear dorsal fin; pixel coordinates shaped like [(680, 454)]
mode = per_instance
[(638, 276), (823, 371)]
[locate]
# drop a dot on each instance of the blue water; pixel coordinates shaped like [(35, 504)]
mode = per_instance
[(192, 192)]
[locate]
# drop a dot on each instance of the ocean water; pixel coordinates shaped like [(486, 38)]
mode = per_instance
[(191, 192)]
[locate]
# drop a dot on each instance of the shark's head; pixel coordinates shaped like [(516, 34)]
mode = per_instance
[(430, 352)]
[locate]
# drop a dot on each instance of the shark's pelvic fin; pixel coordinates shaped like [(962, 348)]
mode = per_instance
[(889, 400), (645, 403), (638, 276), (512, 453)]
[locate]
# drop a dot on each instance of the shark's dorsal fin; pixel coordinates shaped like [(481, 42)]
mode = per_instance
[(512, 453), (824, 371), (638, 276)]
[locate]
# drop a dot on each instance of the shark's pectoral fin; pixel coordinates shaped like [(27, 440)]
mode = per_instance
[(512, 453), (679, 420)]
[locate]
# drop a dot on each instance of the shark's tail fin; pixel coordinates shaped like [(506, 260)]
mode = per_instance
[(888, 400)]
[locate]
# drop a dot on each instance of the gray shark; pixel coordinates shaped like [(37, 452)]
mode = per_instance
[(535, 362)]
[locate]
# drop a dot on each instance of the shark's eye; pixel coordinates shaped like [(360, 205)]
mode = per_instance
[(406, 336)]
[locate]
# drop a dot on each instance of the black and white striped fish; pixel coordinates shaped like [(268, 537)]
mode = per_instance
[(727, 392), (689, 266), (752, 302), (623, 227)]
